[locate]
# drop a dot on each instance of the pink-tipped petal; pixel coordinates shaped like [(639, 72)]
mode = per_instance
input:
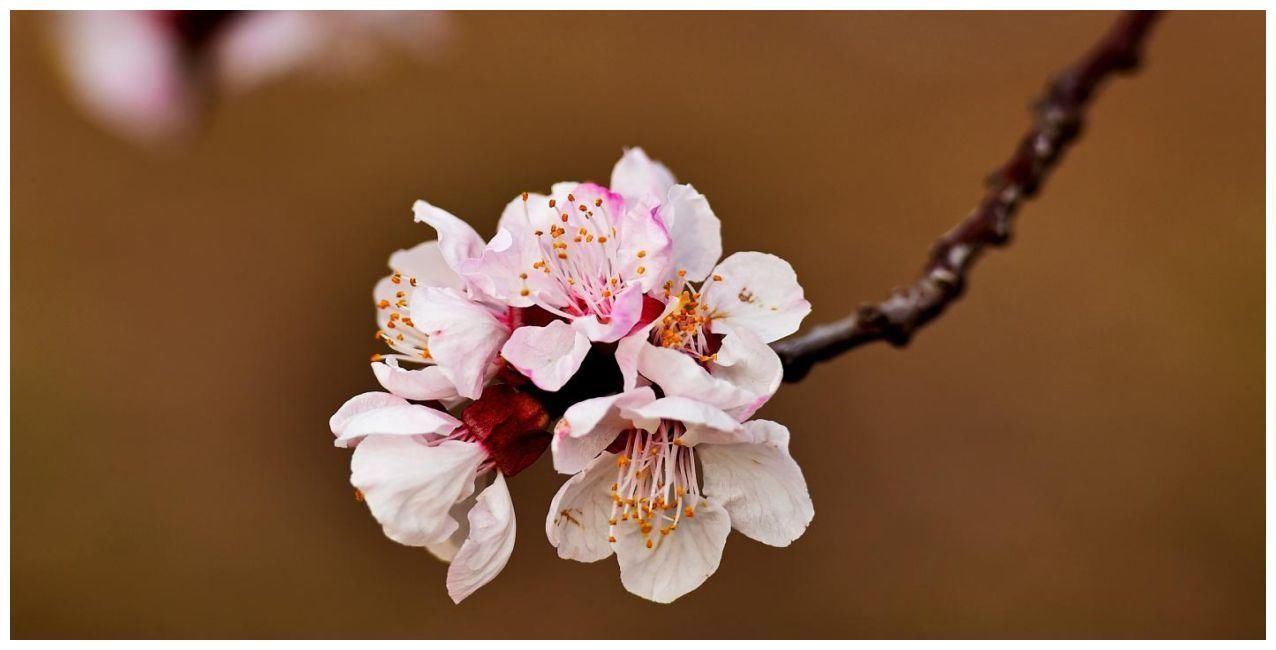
[(548, 355), (625, 313)]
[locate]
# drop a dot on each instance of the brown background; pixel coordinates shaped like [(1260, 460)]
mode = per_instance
[(1075, 450)]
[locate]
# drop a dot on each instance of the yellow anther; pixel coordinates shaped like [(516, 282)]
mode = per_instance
[(641, 270), (642, 253), (717, 278), (377, 357)]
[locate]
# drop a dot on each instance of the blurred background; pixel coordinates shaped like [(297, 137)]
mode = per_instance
[(1076, 449)]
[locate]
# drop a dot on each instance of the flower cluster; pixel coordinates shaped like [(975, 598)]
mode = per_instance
[(599, 323)]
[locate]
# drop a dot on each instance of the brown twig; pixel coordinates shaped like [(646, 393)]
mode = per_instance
[(1058, 119)]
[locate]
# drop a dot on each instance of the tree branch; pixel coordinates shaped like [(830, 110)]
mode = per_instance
[(1058, 117)]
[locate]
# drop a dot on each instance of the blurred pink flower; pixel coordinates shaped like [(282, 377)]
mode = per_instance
[(149, 75)]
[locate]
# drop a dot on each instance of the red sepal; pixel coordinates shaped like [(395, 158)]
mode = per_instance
[(510, 425)]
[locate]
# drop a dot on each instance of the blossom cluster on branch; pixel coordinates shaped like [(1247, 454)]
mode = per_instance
[(600, 324)]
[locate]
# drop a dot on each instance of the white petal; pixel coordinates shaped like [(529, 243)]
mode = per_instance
[(428, 383), (547, 355), (410, 487), (353, 420), (490, 542), (679, 375), (704, 423), (425, 263), (629, 355), (695, 232), (458, 242), (588, 427), (759, 292), (577, 522), (759, 484), (682, 560), (751, 366), (465, 336), (446, 550), (360, 403), (637, 177)]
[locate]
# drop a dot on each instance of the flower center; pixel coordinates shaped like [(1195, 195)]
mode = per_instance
[(656, 484), (687, 327), (684, 328), (397, 330), (580, 255)]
